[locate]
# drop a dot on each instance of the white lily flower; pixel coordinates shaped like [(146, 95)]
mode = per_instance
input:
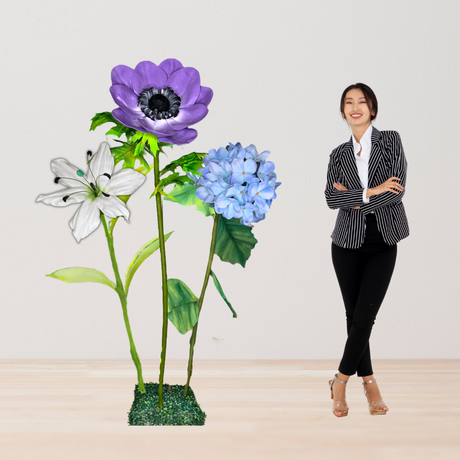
[(97, 190)]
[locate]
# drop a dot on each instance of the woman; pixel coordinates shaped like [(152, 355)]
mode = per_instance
[(366, 180)]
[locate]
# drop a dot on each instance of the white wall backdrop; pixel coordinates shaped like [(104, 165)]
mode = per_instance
[(277, 70)]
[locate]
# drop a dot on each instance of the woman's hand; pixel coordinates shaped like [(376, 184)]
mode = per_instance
[(388, 186), (342, 188)]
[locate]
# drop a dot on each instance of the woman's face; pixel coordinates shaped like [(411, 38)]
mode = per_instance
[(355, 109)]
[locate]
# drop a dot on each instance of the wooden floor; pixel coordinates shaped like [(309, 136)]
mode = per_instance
[(256, 410)]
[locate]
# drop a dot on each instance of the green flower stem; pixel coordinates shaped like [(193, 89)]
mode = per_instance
[(159, 205), (124, 305), (200, 301)]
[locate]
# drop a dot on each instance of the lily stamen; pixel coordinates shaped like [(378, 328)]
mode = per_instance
[(65, 198), (57, 179), (89, 169)]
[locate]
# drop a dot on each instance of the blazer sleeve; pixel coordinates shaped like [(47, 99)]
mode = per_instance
[(398, 169), (336, 198)]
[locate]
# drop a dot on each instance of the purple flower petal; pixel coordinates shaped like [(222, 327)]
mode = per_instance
[(205, 96), (126, 120), (185, 83), (184, 136), (122, 75), (148, 75), (127, 100), (157, 127), (188, 116), (170, 66)]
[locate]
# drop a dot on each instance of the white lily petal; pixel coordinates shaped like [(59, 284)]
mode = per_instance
[(86, 220), (125, 182), (102, 182), (62, 168), (74, 219), (118, 167), (102, 162), (76, 195), (112, 207)]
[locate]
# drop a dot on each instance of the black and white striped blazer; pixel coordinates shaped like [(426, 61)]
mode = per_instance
[(386, 160)]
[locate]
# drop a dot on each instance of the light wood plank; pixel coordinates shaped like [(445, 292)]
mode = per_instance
[(264, 409)]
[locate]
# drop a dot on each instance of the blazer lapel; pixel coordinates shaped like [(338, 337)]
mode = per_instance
[(376, 155), (350, 170)]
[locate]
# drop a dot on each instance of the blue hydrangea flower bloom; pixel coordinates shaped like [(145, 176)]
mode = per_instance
[(243, 170), (237, 182)]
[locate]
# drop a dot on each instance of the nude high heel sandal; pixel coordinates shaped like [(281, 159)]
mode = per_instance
[(338, 405), (376, 407)]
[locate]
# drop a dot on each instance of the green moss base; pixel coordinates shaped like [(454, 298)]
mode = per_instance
[(177, 409)]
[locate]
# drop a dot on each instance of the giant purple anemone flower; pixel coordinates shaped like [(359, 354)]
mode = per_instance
[(160, 99)]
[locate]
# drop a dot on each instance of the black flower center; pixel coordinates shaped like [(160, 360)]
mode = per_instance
[(159, 104)]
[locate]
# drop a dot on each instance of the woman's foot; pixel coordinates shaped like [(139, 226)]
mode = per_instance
[(374, 398), (340, 406)]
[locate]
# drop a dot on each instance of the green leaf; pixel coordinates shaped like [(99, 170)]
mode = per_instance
[(139, 150), (107, 117), (81, 275), (174, 178), (143, 170), (145, 141), (137, 136), (119, 130), (147, 250), (152, 143), (182, 306), (102, 118), (221, 292), (124, 152), (234, 241), (190, 162), (186, 196)]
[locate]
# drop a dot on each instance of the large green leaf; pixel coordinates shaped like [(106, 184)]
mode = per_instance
[(182, 306), (186, 196), (81, 275), (221, 292), (234, 241), (147, 250)]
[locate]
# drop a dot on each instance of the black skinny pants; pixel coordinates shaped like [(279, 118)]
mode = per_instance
[(363, 275)]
